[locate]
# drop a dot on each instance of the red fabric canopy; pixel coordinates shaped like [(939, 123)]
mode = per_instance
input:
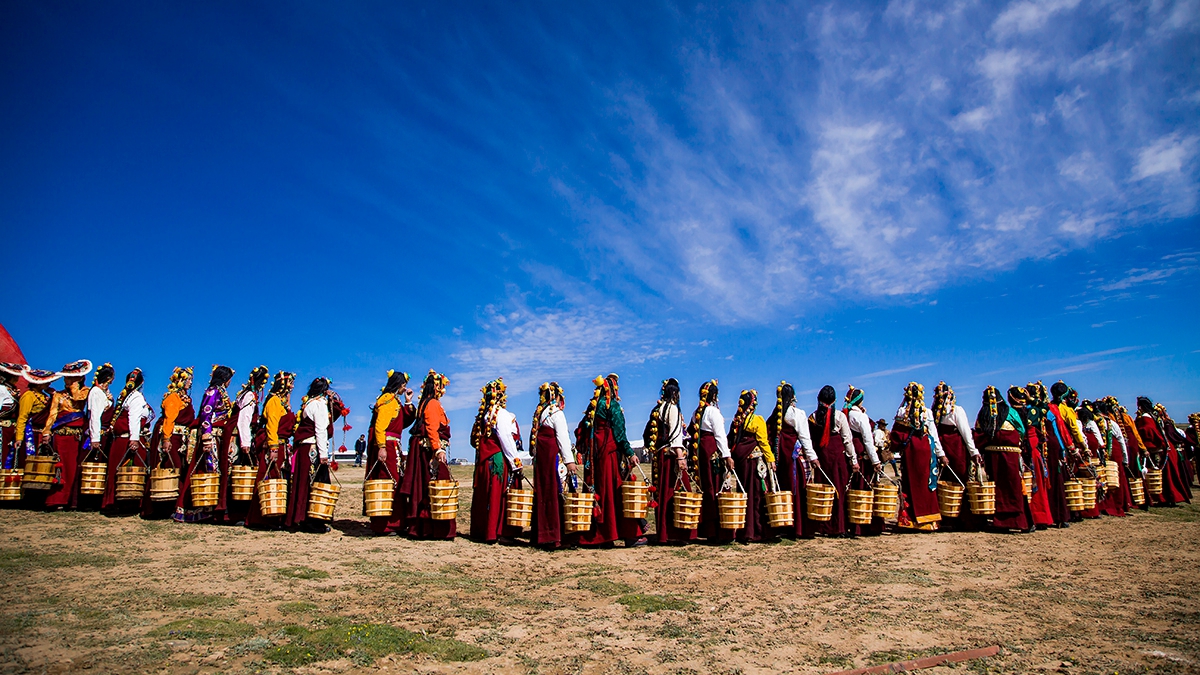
[(9, 351)]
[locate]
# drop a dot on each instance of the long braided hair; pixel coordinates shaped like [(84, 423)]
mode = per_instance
[(256, 381), (103, 375), (434, 387), (489, 406), (606, 388), (549, 394), (785, 396), (180, 384), (708, 396), (914, 406), (133, 381), (667, 394), (747, 402), (992, 413), (943, 401)]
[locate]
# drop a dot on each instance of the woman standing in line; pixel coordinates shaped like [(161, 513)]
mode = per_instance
[(834, 448), (271, 445), (862, 434), (669, 461), (428, 450), (214, 412), (916, 435), (711, 447), (99, 412), (130, 436), (1149, 425), (1001, 429), (1036, 417), (319, 409), (791, 443), (495, 437), (389, 419), (553, 460), (172, 439), (601, 439), (237, 442), (64, 428), (958, 442), (752, 459)]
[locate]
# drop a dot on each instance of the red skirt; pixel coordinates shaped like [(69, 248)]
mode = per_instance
[(160, 459), (859, 481), (116, 457), (746, 466), (487, 498), (266, 470), (203, 461), (792, 478), (959, 460), (920, 503), (415, 490), (608, 524), (1039, 503), (1004, 468), (547, 491), (299, 486), (391, 469), (1175, 490), (669, 477), (1058, 469), (833, 462), (67, 448), (710, 483)]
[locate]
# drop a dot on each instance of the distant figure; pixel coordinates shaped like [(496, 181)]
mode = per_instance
[(360, 447), (881, 444)]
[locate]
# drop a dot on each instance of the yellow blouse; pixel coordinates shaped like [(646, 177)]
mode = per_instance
[(273, 411), (1072, 420), (387, 407), (31, 403), (758, 426)]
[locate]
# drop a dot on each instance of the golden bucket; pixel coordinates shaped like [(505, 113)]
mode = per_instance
[(635, 498), (39, 473), (887, 500), (781, 510), (92, 477), (686, 509), (204, 489), (321, 500), (164, 485), (950, 497), (10, 484), (1074, 492), (443, 499), (272, 496), (981, 497), (518, 508), (378, 496), (131, 483), (861, 506), (241, 483), (578, 511), (731, 507), (820, 501)]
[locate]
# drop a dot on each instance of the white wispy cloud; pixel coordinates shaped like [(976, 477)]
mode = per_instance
[(894, 371), (843, 152)]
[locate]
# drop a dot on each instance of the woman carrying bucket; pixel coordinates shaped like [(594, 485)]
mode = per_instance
[(169, 444), (494, 436), (601, 439), (752, 460), (271, 445), (1001, 429), (389, 418), (711, 447), (835, 460), (428, 449), (669, 457), (553, 460), (237, 443), (791, 443), (916, 435), (862, 434), (958, 442)]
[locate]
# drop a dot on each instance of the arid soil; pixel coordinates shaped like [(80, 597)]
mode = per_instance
[(85, 592)]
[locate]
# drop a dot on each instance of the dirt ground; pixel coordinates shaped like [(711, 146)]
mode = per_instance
[(85, 592)]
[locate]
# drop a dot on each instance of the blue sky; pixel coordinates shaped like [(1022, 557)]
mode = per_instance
[(828, 193)]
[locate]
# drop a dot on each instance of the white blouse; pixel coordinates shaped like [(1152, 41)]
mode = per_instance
[(958, 419), (246, 405), (317, 410), (798, 420), (554, 418), (507, 432), (138, 412), (713, 422), (862, 424), (930, 428), (672, 421), (98, 401)]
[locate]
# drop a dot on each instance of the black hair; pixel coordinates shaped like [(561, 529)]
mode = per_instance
[(1058, 389), (1145, 404), (221, 375), (670, 391), (104, 374), (395, 383), (318, 387)]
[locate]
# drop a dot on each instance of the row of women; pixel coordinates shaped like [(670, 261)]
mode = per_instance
[(1050, 434), (77, 425)]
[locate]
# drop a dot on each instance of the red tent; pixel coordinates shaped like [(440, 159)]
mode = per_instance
[(9, 351)]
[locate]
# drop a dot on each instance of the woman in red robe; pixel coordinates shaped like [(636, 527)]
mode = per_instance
[(836, 459), (788, 435), (601, 440), (237, 441), (550, 445), (428, 449), (172, 438), (496, 438), (1001, 429), (753, 462), (1163, 454), (271, 446), (130, 438), (669, 462), (389, 419), (319, 409), (862, 435), (958, 443), (1036, 412), (64, 427), (915, 434), (710, 446), (1178, 441)]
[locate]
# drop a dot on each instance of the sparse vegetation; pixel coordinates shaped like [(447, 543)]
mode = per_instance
[(362, 643), (301, 572), (640, 603)]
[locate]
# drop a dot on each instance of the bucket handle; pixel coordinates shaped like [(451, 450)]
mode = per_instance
[(737, 480), (828, 481), (960, 481), (977, 472), (385, 468)]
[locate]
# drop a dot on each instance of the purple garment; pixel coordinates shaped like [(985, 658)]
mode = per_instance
[(214, 408)]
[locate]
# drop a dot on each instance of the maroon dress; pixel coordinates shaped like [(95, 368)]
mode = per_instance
[(119, 455), (1174, 489), (167, 453), (489, 488), (231, 450), (547, 521), (414, 486), (67, 440), (390, 469), (710, 485), (831, 454), (791, 473), (859, 481), (272, 465), (959, 459), (300, 478), (1002, 456), (669, 477), (608, 524), (920, 503), (746, 461)]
